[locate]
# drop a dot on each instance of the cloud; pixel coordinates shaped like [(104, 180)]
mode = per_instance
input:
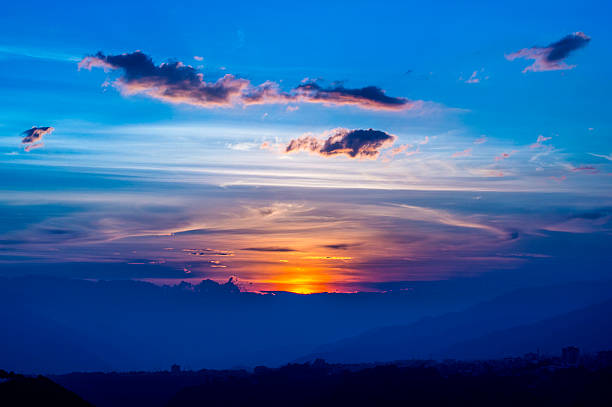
[(31, 147), (605, 157), (402, 149), (369, 97), (539, 141), (465, 153), (551, 57), (175, 82), (503, 156), (32, 138), (352, 143), (473, 78), (481, 140), (171, 82), (198, 58), (208, 252), (559, 179), (269, 249), (339, 246), (588, 169)]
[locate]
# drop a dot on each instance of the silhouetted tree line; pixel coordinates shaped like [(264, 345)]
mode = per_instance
[(320, 384)]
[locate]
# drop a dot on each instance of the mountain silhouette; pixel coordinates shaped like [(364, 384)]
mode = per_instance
[(433, 337), (589, 328)]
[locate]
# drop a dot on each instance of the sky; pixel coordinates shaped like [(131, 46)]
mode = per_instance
[(336, 146)]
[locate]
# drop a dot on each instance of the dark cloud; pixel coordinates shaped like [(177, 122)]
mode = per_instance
[(590, 215), (32, 138), (339, 246), (269, 249), (208, 252), (551, 57), (368, 97), (176, 82), (353, 143), (172, 82)]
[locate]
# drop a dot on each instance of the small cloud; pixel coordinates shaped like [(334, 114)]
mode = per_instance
[(551, 57), (198, 58), (424, 141), (465, 153), (270, 249), (503, 156), (481, 140), (587, 169), (338, 246), (473, 78), (242, 146), (539, 141), (352, 143), (32, 138), (559, 179)]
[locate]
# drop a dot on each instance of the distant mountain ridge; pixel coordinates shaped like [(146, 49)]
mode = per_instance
[(435, 337), (589, 328)]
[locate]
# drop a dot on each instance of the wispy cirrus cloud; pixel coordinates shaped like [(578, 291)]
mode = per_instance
[(465, 153), (541, 139), (175, 82), (32, 138), (605, 157), (475, 77), (551, 57), (587, 169), (352, 143)]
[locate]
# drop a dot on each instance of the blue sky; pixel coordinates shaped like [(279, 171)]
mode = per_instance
[(123, 168)]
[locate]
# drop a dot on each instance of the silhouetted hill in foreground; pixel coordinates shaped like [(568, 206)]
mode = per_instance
[(449, 335), (17, 390)]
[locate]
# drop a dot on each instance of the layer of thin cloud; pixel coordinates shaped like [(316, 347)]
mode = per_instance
[(352, 143), (175, 82), (32, 138), (551, 57)]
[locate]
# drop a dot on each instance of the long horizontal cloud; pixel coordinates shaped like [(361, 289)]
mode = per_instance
[(352, 143), (32, 138), (551, 57), (176, 82), (369, 97)]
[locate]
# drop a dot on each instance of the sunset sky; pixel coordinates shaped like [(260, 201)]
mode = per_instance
[(352, 148)]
